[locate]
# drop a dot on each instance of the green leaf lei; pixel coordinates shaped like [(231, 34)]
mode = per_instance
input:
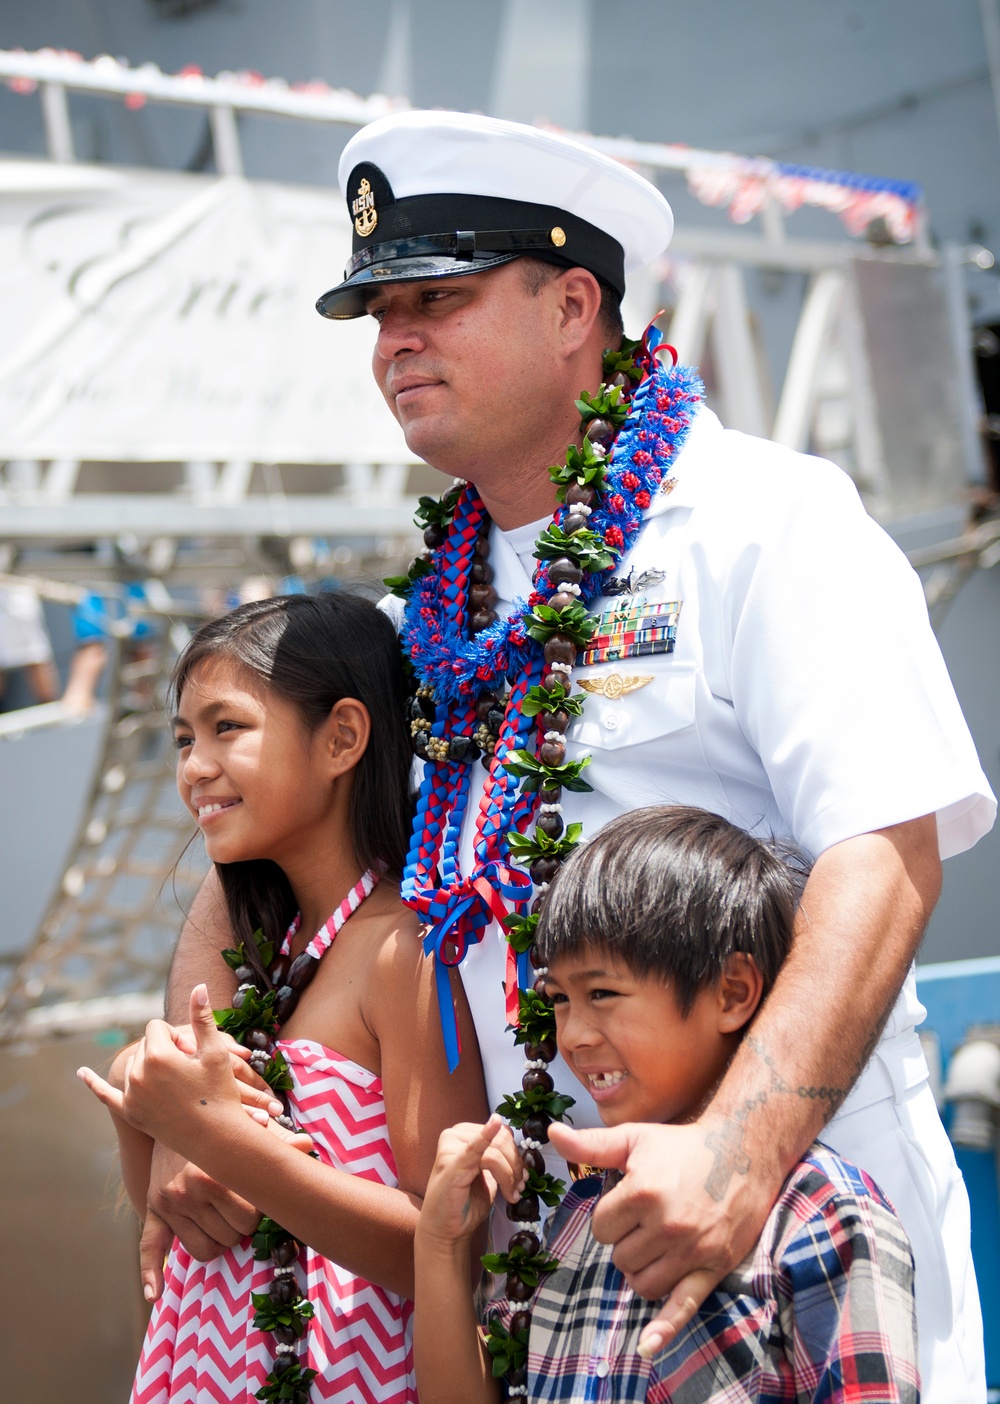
[(507, 1352), (290, 1384)]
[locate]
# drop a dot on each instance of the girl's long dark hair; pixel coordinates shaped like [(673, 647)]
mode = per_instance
[(312, 651)]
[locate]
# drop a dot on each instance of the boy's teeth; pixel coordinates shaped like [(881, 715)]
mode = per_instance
[(601, 1081)]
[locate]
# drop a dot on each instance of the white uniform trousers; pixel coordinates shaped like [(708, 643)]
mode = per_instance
[(902, 1144)]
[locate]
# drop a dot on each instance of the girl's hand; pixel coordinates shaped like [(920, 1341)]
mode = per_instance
[(166, 1088), (254, 1091), (472, 1164)]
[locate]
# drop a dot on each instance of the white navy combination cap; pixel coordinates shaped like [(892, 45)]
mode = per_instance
[(436, 194)]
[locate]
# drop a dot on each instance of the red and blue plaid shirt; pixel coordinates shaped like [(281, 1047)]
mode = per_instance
[(821, 1310)]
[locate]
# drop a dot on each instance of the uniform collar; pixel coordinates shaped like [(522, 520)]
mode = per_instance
[(702, 440), (509, 578)]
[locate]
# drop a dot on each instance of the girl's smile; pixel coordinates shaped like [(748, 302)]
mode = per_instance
[(207, 808)]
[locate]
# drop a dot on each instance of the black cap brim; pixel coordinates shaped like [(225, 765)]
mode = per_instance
[(350, 298)]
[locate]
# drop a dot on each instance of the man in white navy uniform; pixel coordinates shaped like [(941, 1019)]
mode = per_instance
[(805, 697)]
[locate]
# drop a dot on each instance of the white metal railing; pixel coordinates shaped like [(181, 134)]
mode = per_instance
[(746, 186)]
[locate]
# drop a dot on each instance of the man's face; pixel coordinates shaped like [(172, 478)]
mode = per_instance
[(468, 366)]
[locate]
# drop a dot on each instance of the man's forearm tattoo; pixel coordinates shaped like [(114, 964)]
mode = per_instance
[(730, 1158), (831, 1097)]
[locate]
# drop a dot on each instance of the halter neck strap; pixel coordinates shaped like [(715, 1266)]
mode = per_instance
[(327, 933)]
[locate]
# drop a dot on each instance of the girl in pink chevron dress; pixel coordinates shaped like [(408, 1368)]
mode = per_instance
[(294, 757)]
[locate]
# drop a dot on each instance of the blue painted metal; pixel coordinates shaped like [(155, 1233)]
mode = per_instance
[(958, 994)]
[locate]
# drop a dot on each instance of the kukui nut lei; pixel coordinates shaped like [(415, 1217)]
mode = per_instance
[(269, 990)]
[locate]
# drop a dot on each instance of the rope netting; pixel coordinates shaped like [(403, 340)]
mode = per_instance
[(102, 949)]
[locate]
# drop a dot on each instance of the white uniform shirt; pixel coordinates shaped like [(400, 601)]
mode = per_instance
[(806, 697)]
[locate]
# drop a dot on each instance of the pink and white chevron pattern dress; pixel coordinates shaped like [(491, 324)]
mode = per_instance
[(201, 1347)]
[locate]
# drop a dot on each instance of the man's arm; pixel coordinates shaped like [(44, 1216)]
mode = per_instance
[(196, 960), (694, 1198)]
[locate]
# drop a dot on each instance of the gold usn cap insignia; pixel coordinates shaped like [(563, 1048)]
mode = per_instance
[(363, 209)]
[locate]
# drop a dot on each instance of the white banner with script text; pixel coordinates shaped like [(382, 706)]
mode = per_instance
[(163, 317)]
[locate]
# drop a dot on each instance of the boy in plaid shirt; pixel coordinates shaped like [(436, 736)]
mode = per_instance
[(662, 936)]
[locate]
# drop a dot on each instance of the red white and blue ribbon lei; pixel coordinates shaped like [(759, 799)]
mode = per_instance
[(458, 909)]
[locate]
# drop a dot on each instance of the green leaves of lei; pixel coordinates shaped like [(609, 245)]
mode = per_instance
[(536, 1022), (507, 1352), (528, 1266), (256, 1012), (291, 1386), (532, 773), (585, 547), (584, 465), (431, 511), (544, 622), (265, 1237), (536, 1018), (527, 847), (269, 1316), (234, 958), (516, 1107)]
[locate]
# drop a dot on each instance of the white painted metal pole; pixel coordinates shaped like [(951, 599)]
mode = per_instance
[(60, 479), (55, 113), (736, 355), (798, 395), (991, 33), (689, 323), (226, 140), (970, 398), (234, 479)]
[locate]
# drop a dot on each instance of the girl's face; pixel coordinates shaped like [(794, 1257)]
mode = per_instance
[(247, 768)]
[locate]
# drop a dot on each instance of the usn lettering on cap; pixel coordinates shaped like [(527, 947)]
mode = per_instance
[(363, 209)]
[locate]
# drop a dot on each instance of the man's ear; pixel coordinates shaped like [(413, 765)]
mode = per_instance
[(579, 295), (739, 992), (344, 736)]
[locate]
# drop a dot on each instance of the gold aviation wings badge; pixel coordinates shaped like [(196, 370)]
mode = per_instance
[(615, 685)]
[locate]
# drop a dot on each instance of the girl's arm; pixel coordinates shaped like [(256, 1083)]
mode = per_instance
[(191, 1104), (422, 1098), (452, 1364), (135, 1148)]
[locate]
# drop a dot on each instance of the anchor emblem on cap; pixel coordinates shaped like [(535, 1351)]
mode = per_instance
[(363, 209)]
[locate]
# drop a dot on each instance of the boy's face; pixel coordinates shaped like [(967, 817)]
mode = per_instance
[(625, 1038)]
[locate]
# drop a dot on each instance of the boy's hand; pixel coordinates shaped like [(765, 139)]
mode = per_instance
[(472, 1164), (669, 1241)]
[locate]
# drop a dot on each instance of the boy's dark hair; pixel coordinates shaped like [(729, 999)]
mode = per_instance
[(312, 651), (674, 891)]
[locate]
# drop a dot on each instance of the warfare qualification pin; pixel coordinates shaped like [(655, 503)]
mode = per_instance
[(363, 209)]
